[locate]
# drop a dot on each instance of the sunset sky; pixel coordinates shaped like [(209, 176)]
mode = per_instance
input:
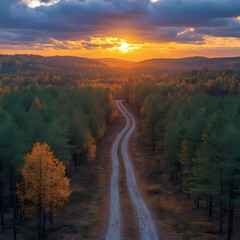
[(127, 29)]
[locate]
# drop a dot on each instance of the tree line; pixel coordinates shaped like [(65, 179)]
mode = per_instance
[(196, 127), (25, 71)]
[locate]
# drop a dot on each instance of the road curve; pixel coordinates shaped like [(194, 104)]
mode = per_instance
[(147, 227), (146, 224), (113, 232)]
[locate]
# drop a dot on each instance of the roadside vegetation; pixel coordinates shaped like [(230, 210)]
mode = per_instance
[(193, 121), (69, 122)]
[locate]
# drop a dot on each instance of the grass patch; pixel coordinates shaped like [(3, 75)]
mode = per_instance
[(153, 190), (168, 205)]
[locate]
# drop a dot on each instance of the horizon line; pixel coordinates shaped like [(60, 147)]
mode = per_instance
[(145, 59)]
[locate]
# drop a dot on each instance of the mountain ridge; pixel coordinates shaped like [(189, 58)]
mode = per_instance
[(154, 65)]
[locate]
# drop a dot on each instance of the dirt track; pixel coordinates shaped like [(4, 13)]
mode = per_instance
[(145, 221)]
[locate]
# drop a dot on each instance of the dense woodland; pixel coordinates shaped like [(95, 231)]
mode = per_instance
[(193, 119), (69, 120), (25, 71), (31, 70)]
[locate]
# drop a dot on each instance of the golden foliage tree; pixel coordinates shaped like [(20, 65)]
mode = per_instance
[(36, 105), (90, 147), (114, 105), (44, 186), (102, 130)]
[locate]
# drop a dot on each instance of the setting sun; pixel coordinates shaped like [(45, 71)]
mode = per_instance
[(124, 47), (133, 30)]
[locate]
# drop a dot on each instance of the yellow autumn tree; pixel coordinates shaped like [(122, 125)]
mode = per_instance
[(102, 130), (90, 147), (114, 106), (44, 186), (36, 105)]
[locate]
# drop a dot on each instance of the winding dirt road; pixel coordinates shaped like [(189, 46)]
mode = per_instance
[(147, 228)]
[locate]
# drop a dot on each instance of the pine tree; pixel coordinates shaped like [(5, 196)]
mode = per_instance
[(11, 147), (191, 141), (216, 167)]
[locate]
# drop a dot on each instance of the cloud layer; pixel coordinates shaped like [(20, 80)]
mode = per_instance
[(139, 21)]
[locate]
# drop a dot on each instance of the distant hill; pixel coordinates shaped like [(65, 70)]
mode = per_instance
[(66, 60), (186, 64), (36, 63), (108, 68), (171, 65), (115, 62), (56, 70)]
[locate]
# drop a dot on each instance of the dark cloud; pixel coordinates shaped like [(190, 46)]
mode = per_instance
[(45, 1), (88, 45), (194, 12), (82, 19)]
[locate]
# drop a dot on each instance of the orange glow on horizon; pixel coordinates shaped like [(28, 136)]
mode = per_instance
[(113, 47)]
